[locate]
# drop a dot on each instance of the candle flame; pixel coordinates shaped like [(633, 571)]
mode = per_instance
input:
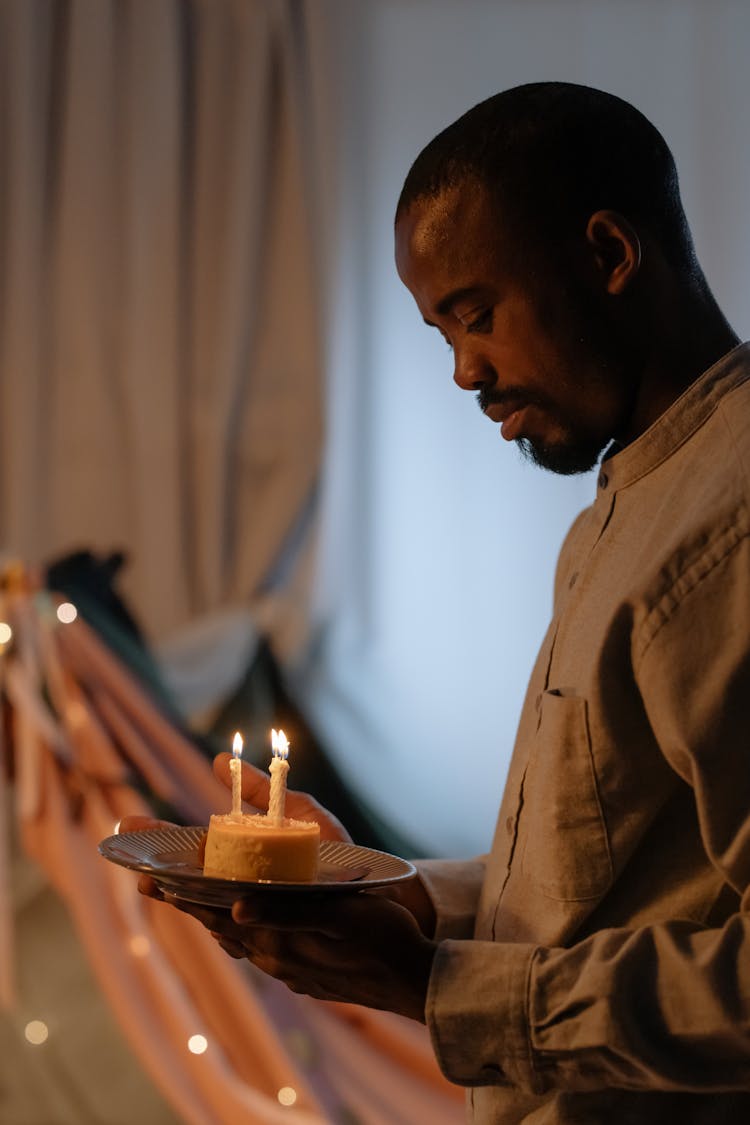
[(279, 744), (237, 745)]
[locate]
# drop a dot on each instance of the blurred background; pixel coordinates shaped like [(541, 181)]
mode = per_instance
[(227, 437)]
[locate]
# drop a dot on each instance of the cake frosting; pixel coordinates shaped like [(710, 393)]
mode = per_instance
[(254, 847)]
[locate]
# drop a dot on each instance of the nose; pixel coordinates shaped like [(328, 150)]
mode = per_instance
[(472, 371)]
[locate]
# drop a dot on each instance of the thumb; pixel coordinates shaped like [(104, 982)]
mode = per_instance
[(255, 783), (256, 786)]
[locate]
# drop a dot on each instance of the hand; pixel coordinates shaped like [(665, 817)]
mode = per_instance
[(256, 785), (359, 949), (255, 791), (366, 948)]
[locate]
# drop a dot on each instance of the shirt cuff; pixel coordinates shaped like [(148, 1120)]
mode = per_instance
[(477, 1013)]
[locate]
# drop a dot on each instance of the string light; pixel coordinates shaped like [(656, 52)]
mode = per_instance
[(139, 945), (5, 632), (36, 1032), (66, 612), (287, 1095), (197, 1044)]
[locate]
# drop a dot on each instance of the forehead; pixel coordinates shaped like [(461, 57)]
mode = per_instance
[(436, 222), (451, 239)]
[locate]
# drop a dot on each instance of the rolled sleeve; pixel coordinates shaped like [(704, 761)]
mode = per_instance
[(477, 1013)]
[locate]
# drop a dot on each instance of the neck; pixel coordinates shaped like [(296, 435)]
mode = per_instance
[(697, 334)]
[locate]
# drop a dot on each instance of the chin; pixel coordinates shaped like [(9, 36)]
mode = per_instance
[(566, 460)]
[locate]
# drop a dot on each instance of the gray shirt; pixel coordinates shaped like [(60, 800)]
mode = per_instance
[(596, 965)]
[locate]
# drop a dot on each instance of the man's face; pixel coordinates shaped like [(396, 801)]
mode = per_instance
[(531, 339)]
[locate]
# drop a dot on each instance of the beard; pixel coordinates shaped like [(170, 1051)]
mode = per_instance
[(565, 459), (579, 453)]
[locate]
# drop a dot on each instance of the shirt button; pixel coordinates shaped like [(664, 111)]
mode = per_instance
[(509, 825), (573, 580), (538, 703), (603, 480)]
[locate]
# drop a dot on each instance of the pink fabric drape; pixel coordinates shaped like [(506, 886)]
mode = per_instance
[(76, 758)]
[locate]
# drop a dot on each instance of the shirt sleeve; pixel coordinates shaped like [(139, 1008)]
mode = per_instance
[(658, 1007), (453, 887)]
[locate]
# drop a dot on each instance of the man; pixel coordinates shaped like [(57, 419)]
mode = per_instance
[(596, 965)]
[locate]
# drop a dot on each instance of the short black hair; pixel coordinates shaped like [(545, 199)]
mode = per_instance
[(564, 151)]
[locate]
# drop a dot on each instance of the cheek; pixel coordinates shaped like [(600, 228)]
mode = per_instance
[(521, 342)]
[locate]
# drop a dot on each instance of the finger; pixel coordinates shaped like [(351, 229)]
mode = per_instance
[(255, 783), (256, 788), (306, 964), (355, 919), (147, 886), (234, 948), (216, 921), (296, 914), (219, 920)]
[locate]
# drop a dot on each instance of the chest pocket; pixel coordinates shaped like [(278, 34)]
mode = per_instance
[(566, 852)]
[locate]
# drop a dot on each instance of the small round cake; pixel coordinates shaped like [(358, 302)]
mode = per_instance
[(253, 847)]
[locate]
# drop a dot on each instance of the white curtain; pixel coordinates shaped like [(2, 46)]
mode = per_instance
[(159, 383), (159, 358)]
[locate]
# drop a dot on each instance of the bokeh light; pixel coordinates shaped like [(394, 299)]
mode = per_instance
[(36, 1032), (139, 945), (66, 612)]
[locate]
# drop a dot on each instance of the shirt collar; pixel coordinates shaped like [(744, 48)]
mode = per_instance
[(621, 467)]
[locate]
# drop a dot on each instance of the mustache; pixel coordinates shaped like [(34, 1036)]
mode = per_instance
[(517, 397)]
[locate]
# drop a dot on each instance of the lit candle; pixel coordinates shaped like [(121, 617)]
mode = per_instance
[(235, 768), (278, 770)]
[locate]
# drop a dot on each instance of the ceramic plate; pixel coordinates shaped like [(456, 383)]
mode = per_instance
[(170, 857)]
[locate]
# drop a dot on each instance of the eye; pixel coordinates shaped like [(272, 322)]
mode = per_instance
[(481, 323)]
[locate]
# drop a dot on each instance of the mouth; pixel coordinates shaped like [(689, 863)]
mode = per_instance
[(510, 415), (513, 424)]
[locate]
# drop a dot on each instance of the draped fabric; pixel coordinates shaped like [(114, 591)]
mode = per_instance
[(160, 391), (159, 370), (85, 738)]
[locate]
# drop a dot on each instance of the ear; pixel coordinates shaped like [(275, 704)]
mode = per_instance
[(616, 248)]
